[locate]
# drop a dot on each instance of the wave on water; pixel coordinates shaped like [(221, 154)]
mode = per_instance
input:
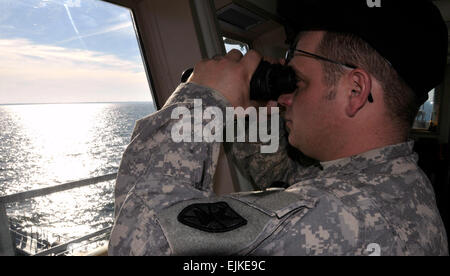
[(46, 145)]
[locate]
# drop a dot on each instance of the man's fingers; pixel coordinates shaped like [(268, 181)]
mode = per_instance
[(234, 55), (251, 61)]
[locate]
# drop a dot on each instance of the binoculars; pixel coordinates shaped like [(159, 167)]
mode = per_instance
[(268, 82)]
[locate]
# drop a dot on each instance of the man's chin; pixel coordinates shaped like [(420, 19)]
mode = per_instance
[(297, 155), (292, 142), (287, 127)]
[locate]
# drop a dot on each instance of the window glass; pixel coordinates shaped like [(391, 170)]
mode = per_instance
[(427, 118), (72, 85), (55, 51), (231, 44)]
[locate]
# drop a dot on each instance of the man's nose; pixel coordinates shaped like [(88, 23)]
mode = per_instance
[(286, 99)]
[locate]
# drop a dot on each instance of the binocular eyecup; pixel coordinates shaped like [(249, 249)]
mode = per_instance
[(268, 83)]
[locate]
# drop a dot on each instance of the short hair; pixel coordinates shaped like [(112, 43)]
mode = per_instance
[(399, 98)]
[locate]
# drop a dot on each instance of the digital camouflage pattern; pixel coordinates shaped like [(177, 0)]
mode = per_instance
[(343, 207)]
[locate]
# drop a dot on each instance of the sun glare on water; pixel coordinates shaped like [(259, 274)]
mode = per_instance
[(64, 143), (62, 134)]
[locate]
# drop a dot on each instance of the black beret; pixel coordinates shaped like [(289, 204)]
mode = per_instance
[(410, 34)]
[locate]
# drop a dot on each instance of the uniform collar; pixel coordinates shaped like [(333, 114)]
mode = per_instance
[(372, 158)]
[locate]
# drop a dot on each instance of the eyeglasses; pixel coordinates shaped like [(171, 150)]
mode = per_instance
[(290, 55)]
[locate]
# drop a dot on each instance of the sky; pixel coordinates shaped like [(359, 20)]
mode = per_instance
[(61, 51)]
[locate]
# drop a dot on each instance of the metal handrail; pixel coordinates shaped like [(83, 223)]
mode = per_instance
[(55, 189), (7, 245), (64, 247)]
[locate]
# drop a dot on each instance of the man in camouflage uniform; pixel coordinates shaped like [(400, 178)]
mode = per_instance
[(366, 196)]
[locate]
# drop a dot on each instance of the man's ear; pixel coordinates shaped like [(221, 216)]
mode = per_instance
[(360, 88)]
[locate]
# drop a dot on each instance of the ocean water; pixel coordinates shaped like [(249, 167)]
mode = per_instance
[(46, 145)]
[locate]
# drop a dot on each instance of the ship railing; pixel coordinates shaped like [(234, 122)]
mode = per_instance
[(29, 242), (7, 243)]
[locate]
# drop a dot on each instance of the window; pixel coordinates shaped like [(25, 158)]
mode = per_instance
[(231, 44), (72, 85), (58, 51), (427, 118)]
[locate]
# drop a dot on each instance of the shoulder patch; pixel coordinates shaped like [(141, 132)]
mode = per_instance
[(211, 217)]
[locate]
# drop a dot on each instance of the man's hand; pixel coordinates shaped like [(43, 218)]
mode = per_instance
[(230, 75)]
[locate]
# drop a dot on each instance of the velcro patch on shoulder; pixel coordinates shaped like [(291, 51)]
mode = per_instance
[(211, 217)]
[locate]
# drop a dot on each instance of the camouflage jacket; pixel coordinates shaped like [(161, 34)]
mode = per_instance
[(376, 203)]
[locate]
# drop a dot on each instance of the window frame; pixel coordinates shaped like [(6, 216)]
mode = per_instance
[(441, 132), (130, 5)]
